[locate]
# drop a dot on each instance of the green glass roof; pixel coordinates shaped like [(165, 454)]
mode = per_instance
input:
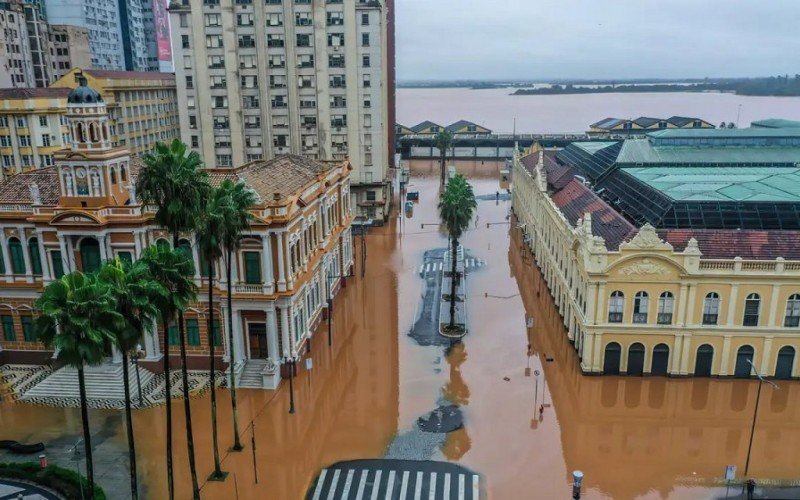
[(593, 147), (700, 183), (635, 151), (672, 133)]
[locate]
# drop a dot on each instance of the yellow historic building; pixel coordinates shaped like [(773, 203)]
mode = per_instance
[(84, 210), (670, 301)]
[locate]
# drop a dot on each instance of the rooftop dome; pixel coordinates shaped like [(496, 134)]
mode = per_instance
[(84, 94)]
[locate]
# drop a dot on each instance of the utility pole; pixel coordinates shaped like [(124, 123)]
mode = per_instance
[(761, 380)]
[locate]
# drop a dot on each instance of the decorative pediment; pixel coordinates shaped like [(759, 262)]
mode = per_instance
[(646, 239), (644, 267), (75, 218)]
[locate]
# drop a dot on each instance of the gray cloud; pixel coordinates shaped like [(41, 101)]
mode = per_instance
[(503, 39)]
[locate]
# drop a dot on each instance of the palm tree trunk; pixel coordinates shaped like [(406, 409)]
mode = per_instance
[(129, 422), (186, 402), (237, 445), (211, 373), (442, 161), (453, 279), (87, 436), (168, 390)]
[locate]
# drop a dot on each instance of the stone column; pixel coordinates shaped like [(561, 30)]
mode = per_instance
[(266, 255), (588, 351), (689, 318), (600, 312), (687, 344), (677, 350), (773, 306), (224, 332), (44, 261), (764, 367), (290, 280), (238, 345), (65, 261), (116, 355), (591, 301), (137, 244), (26, 256), (101, 238), (281, 262), (598, 351), (196, 259), (726, 354), (288, 346), (732, 304), (6, 256), (681, 309), (272, 334), (151, 345)]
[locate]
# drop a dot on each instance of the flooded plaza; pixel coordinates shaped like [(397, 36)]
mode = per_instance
[(633, 437)]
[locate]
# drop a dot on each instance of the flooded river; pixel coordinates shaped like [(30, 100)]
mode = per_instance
[(633, 437)]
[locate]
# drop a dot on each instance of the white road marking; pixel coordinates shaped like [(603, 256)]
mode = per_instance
[(404, 486), (432, 494), (361, 484), (376, 485), (334, 481), (347, 483), (390, 485), (446, 495), (461, 487), (475, 489), (318, 489), (418, 487)]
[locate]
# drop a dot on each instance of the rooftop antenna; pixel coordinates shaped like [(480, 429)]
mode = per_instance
[(738, 113)]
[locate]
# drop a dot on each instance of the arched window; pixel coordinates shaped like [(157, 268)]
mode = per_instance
[(666, 305), (635, 359), (186, 247), (79, 133), (36, 259), (93, 132), (703, 361), (611, 359), (785, 364), (711, 309), (113, 176), (640, 305), (615, 307), (792, 317), (744, 358), (17, 257), (123, 175), (162, 243), (660, 363), (752, 305)]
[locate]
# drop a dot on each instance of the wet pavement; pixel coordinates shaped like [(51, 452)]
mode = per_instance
[(632, 437)]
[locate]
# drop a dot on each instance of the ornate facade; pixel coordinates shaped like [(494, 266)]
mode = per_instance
[(638, 300), (84, 210)]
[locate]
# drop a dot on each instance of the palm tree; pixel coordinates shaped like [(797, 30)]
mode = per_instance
[(210, 245), (175, 272), (456, 208), (172, 180), (444, 140), (77, 317), (135, 294), (237, 219)]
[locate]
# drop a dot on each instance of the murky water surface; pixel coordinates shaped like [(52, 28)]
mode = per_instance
[(632, 437)]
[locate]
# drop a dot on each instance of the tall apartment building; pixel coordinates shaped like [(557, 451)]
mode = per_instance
[(70, 45), (16, 68), (121, 32), (263, 78), (39, 44)]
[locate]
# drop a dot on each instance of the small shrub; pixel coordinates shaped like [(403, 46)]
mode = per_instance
[(64, 481)]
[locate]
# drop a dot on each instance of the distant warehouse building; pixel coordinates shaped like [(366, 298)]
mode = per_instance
[(675, 254), (644, 124)]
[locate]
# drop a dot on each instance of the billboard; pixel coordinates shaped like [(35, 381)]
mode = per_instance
[(161, 19)]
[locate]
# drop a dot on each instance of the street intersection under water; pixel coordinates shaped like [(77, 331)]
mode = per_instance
[(632, 437)]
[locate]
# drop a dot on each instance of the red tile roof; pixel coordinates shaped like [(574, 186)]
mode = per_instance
[(558, 175), (16, 188), (748, 244), (575, 199), (131, 75), (27, 93)]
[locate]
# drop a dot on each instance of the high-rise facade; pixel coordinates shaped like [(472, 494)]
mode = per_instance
[(16, 67), (310, 77), (70, 49)]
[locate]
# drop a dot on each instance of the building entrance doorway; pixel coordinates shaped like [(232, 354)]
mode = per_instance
[(258, 340)]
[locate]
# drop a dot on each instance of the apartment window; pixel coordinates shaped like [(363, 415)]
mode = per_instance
[(711, 309), (22, 122), (338, 101), (365, 39), (616, 304), (279, 141), (46, 140), (274, 40), (364, 19), (245, 19), (365, 61), (309, 121), (337, 81), (213, 41), (219, 101), (185, 41), (253, 141), (274, 19), (195, 141), (212, 20), (367, 81), (309, 141), (249, 82), (223, 160), (278, 101), (752, 305), (335, 18), (3, 121), (277, 61), (252, 121), (250, 102), (211, 2), (252, 267), (246, 41), (335, 40), (303, 40), (277, 81), (24, 140), (221, 122), (192, 121), (338, 120), (43, 121), (303, 19), (305, 60), (222, 141), (792, 317), (216, 61), (367, 102), (305, 82), (640, 305), (666, 305), (308, 103), (367, 121), (187, 62), (247, 62), (336, 60), (218, 82)]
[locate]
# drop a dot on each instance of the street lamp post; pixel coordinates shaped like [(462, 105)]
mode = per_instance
[(761, 380), (292, 362)]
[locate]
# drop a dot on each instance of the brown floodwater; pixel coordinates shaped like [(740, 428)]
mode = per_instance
[(633, 437)]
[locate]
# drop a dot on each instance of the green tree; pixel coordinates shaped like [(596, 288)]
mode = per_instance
[(174, 271), (456, 208), (444, 140), (135, 294), (237, 218), (210, 244), (172, 180), (77, 316)]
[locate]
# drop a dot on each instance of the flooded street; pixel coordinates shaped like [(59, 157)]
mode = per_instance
[(632, 437)]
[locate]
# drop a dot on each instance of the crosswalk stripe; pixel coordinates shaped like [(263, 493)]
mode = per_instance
[(390, 485), (418, 487), (334, 481), (347, 483), (404, 486), (318, 489), (376, 485), (461, 489), (361, 484), (446, 495), (475, 491), (432, 494)]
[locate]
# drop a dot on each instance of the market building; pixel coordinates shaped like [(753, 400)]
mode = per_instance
[(84, 210), (676, 254)]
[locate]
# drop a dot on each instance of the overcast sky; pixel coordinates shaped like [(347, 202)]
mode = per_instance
[(532, 39)]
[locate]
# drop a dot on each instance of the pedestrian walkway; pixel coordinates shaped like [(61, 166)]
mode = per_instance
[(432, 267), (395, 480), (18, 490)]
